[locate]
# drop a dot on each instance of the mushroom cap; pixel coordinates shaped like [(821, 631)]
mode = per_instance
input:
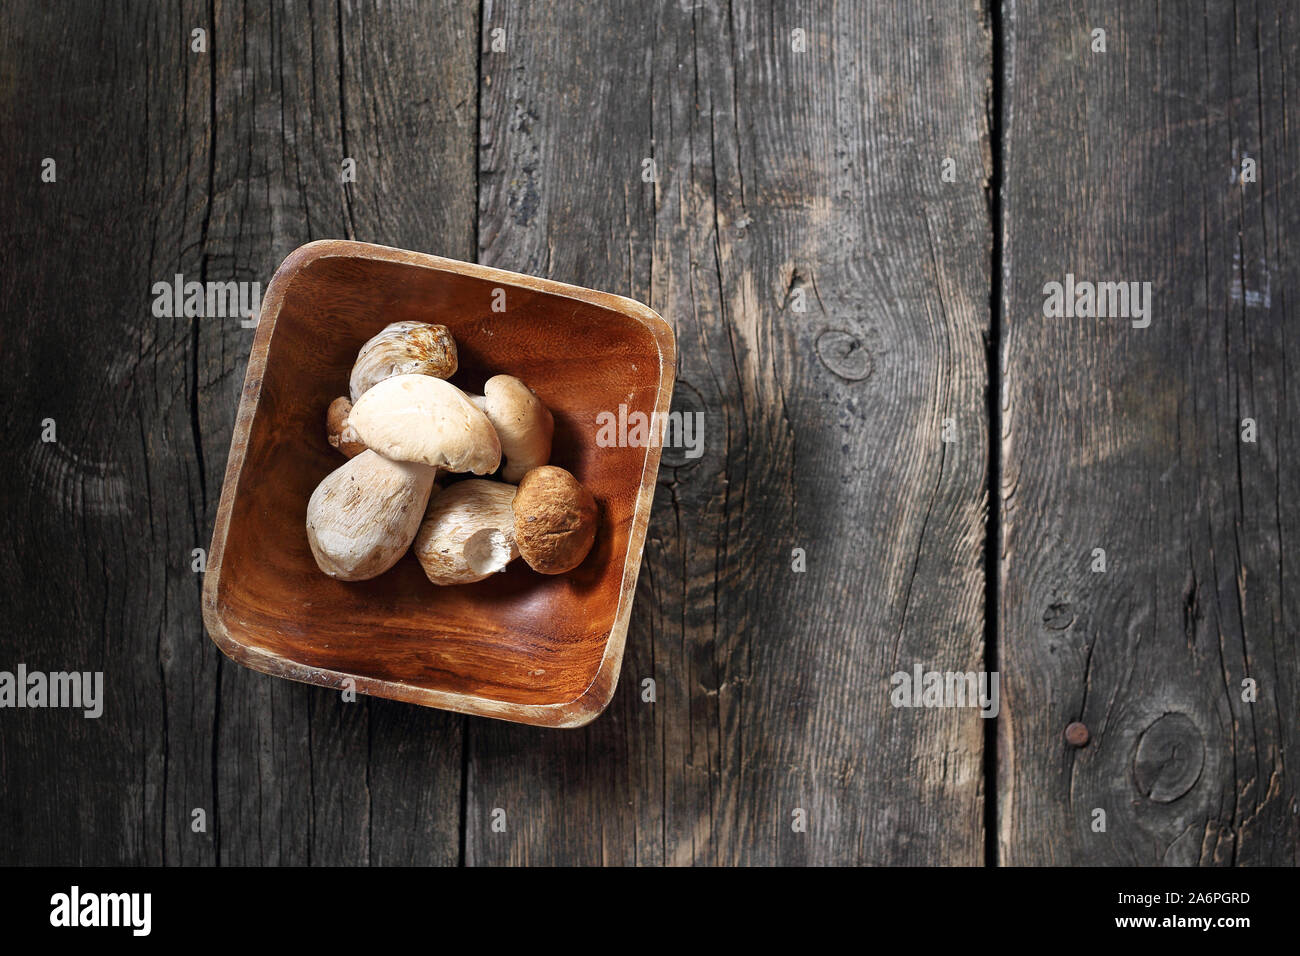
[(555, 520), (524, 425), (424, 419), (468, 532), (339, 431), (404, 348)]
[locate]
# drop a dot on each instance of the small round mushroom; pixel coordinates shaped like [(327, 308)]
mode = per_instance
[(524, 425), (468, 532), (404, 348), (418, 418), (555, 520), (339, 431), (363, 516)]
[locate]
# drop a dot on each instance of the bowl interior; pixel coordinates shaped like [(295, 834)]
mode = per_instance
[(518, 637)]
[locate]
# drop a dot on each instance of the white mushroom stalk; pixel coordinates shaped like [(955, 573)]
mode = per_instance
[(524, 425), (365, 514), (468, 532)]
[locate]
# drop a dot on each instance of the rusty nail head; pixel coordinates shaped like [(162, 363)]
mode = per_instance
[(1076, 735)]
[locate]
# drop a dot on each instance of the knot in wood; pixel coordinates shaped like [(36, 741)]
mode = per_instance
[(1058, 616), (844, 354), (1169, 757)]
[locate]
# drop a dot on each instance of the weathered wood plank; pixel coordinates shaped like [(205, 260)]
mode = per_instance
[(389, 86), (98, 526), (559, 196), (214, 165), (783, 177), (1126, 166)]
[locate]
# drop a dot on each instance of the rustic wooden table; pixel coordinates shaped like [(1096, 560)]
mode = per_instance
[(849, 212)]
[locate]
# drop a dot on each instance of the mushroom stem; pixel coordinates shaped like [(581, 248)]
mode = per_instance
[(363, 516), (524, 425), (468, 532)]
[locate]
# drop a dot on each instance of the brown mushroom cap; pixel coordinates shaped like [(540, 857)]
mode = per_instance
[(339, 431), (555, 520)]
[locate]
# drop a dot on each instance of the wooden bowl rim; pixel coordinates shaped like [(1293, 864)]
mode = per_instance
[(596, 697)]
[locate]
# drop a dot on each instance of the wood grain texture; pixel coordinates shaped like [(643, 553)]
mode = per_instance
[(782, 178), (1125, 165), (777, 172), (214, 165), (95, 552)]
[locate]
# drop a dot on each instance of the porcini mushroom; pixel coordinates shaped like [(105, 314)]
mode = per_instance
[(524, 425), (363, 516), (418, 418), (339, 431), (404, 348), (468, 532), (555, 520)]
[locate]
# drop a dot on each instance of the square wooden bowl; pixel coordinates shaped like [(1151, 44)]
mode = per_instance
[(520, 646)]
